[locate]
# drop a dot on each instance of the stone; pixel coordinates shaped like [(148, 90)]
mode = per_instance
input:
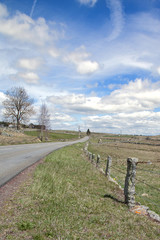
[(129, 189), (6, 134), (154, 215), (139, 210), (108, 166), (144, 195), (98, 160)]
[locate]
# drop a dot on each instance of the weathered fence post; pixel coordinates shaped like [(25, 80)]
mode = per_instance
[(129, 189), (108, 166), (93, 158), (90, 156), (98, 160), (85, 150)]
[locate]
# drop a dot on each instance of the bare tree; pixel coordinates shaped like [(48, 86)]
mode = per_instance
[(18, 106), (44, 120)]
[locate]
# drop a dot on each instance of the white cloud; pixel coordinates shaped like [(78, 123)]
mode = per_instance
[(61, 117), (132, 61), (135, 96), (3, 11), (54, 52), (88, 2), (145, 22), (145, 122), (158, 70), (29, 77), (79, 58), (86, 67), (76, 103), (2, 97), (22, 34), (30, 63), (117, 18), (23, 28)]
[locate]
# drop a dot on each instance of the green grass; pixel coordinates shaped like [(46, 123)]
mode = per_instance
[(69, 200), (53, 136)]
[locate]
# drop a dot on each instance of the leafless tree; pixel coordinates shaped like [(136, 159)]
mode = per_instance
[(44, 120), (18, 106)]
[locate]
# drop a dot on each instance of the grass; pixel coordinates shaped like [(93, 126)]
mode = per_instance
[(54, 136), (147, 183), (69, 199)]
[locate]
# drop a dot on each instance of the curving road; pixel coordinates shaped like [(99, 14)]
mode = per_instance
[(15, 158)]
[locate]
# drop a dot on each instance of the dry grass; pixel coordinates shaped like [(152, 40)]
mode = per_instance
[(13, 137)]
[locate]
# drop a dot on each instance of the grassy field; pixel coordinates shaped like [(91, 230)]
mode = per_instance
[(147, 150), (68, 199), (54, 136)]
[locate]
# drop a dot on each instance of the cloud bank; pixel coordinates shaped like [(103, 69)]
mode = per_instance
[(136, 96)]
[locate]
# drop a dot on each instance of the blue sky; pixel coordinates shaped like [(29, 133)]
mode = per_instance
[(96, 63)]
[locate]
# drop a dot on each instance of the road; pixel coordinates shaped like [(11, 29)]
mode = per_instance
[(15, 158)]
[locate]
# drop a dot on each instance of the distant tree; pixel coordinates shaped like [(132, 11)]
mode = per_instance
[(18, 106), (44, 120), (88, 132)]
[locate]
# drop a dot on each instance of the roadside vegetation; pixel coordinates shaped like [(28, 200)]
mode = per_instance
[(69, 199)]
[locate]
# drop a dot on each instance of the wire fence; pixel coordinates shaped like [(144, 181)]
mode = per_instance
[(147, 182)]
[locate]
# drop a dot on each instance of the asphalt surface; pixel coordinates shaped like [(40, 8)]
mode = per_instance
[(15, 158)]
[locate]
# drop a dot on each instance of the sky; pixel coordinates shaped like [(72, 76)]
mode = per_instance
[(95, 63)]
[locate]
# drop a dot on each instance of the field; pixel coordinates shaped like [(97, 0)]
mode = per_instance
[(69, 199), (55, 135), (147, 150), (12, 136)]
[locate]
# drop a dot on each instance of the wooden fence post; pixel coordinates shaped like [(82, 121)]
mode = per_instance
[(129, 189), (108, 166)]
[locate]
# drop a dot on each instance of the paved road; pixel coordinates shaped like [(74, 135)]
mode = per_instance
[(15, 158)]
